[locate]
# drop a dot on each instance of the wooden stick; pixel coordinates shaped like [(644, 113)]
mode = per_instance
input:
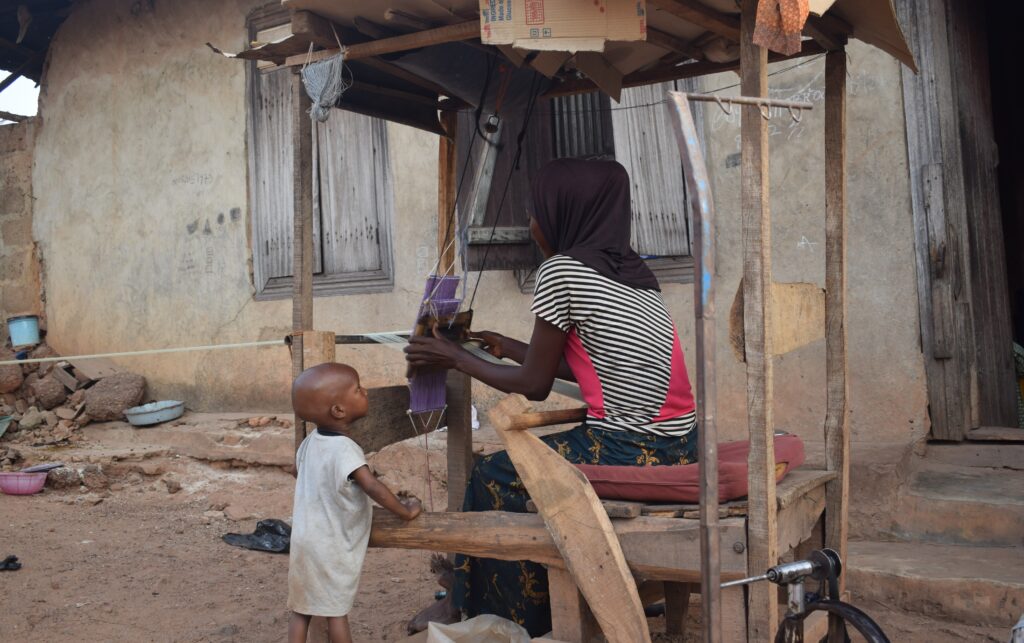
[(837, 429), (747, 100), (302, 230), (701, 15), (762, 552), (450, 33), (537, 419), (699, 188)]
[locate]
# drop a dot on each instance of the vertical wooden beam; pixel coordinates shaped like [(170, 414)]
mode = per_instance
[(837, 429), (571, 618), (318, 347), (446, 171), (699, 190), (459, 393), (677, 605), (302, 229), (762, 536)]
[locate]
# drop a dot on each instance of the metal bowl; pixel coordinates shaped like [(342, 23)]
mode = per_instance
[(155, 412)]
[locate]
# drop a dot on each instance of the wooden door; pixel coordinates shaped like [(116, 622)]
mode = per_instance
[(963, 303)]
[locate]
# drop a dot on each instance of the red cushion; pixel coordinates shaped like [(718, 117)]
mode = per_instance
[(681, 482)]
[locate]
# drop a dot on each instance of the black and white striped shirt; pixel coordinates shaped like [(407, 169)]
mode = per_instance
[(622, 347)]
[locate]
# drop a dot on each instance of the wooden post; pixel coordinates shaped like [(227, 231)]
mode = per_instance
[(762, 552), (317, 347), (698, 186), (837, 429), (302, 228), (459, 393), (677, 605), (571, 618), (446, 176)]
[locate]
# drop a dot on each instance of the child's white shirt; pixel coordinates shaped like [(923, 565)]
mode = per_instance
[(330, 527)]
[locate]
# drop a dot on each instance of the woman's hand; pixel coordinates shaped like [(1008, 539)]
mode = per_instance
[(493, 343), (432, 352)]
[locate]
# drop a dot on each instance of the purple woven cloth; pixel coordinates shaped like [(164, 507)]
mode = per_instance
[(427, 387)]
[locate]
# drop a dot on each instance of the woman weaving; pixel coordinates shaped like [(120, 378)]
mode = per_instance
[(601, 321)]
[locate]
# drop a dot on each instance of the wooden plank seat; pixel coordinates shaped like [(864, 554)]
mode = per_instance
[(660, 543)]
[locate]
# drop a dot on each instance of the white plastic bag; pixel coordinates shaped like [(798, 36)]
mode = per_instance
[(486, 628)]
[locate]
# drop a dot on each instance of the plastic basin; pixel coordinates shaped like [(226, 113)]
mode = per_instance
[(155, 412), (22, 484)]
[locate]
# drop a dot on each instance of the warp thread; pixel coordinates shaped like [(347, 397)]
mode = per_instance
[(427, 386)]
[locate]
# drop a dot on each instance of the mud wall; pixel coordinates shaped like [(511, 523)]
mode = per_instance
[(145, 134), (20, 292)]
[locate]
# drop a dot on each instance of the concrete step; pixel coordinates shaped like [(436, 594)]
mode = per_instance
[(961, 505), (979, 586), (977, 454)]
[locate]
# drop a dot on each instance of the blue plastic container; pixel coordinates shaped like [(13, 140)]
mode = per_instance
[(24, 330)]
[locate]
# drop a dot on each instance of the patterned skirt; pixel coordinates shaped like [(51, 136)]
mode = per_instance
[(518, 590)]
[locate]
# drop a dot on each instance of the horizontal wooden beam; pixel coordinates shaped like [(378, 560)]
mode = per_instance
[(450, 33), (14, 118), (665, 73), (499, 235), (655, 548), (672, 43), (697, 13)]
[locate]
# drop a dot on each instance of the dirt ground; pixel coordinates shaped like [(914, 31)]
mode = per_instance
[(138, 556)]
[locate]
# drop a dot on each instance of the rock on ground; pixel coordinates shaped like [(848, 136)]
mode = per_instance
[(108, 398), (63, 478), (10, 375), (31, 419), (48, 392)]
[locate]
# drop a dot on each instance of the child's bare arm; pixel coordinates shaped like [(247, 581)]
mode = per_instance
[(383, 496)]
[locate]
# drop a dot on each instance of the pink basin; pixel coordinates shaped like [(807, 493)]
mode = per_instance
[(22, 484)]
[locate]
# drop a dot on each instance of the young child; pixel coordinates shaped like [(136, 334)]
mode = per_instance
[(331, 514)]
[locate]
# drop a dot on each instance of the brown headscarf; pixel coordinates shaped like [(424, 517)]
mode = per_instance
[(583, 209)]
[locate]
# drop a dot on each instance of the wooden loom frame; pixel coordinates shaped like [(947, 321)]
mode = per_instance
[(771, 509)]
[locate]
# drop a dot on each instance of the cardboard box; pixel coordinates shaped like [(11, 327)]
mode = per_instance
[(562, 25)]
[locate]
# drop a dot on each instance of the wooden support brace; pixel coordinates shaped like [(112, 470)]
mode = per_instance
[(571, 618), (837, 429), (582, 531), (762, 530)]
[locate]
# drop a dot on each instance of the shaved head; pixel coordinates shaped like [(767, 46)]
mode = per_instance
[(328, 394)]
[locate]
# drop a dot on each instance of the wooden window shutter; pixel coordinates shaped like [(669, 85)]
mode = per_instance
[(271, 172), (355, 193), (272, 178), (509, 247), (646, 147)]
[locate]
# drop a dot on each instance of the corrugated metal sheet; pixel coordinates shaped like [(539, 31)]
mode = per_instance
[(356, 194), (581, 127), (645, 146)]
